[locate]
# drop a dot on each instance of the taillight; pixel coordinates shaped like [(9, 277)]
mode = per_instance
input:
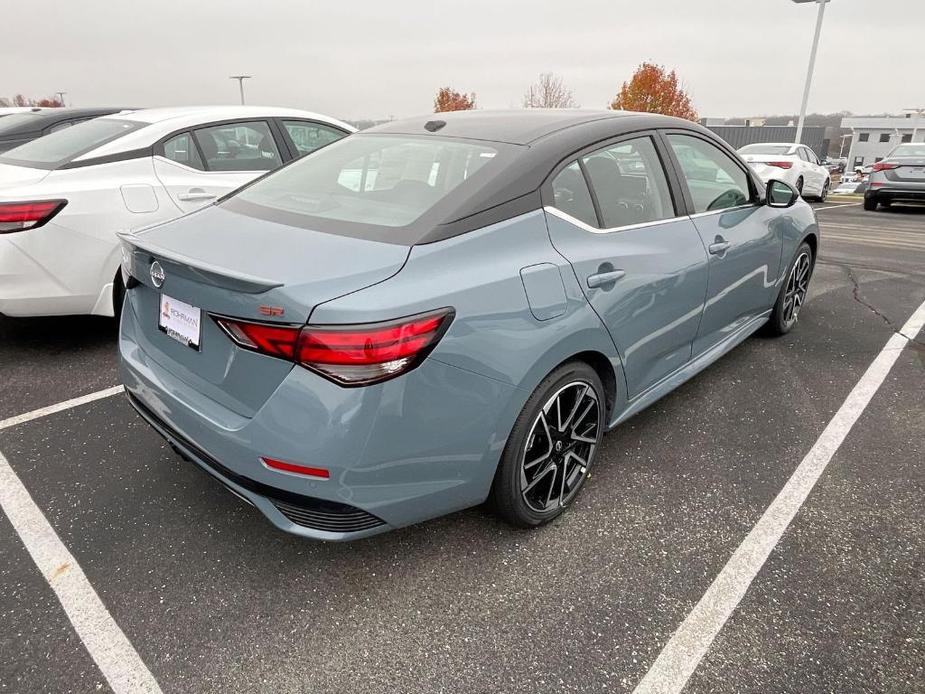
[(883, 166), (350, 355), (781, 164), (19, 216)]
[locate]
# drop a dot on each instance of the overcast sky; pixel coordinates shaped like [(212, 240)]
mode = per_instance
[(375, 59)]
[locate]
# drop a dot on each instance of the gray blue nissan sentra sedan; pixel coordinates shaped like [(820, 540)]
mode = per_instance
[(452, 309)]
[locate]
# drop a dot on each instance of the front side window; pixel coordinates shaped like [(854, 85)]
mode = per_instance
[(182, 150), (372, 180), (713, 178), (64, 146), (239, 147), (307, 136), (630, 184), (571, 195)]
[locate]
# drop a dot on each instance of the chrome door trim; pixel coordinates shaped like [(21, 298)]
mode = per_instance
[(594, 230)]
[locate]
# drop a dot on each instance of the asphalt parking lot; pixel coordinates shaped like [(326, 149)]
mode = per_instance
[(214, 599)]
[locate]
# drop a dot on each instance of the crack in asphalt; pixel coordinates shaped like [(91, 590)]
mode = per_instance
[(856, 293)]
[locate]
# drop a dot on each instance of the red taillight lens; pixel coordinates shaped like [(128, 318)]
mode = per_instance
[(781, 164), (350, 355), (884, 166), (19, 216)]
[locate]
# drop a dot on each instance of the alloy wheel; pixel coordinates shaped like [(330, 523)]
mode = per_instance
[(560, 447), (797, 286)]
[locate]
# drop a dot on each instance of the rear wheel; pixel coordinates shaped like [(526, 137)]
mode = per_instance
[(551, 448), (825, 192), (870, 203), (793, 293)]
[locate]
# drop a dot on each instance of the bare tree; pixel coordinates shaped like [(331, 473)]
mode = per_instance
[(549, 92)]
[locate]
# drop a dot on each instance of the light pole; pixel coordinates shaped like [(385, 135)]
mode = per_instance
[(812, 64), (60, 96), (915, 124), (241, 79)]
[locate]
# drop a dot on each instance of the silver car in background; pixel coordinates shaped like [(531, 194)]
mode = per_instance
[(898, 178)]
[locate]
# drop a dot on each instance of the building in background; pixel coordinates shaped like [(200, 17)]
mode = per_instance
[(872, 139), (738, 136)]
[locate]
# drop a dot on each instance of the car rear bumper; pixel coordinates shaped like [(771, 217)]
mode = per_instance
[(412, 448), (898, 192)]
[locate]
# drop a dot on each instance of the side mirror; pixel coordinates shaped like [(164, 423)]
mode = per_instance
[(781, 194)]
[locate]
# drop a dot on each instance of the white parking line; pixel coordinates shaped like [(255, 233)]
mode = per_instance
[(687, 646), (66, 405), (117, 659), (835, 207)]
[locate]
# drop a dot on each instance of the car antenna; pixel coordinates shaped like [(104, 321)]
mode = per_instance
[(433, 126)]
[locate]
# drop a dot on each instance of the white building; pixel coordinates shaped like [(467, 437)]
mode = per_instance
[(872, 139)]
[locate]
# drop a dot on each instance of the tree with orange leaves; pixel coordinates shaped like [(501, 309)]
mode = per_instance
[(653, 89), (451, 100)]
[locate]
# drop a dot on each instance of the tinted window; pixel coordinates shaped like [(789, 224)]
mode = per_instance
[(385, 181), (629, 183), (21, 122), (182, 150), (910, 150), (570, 191), (715, 180), (307, 136), (60, 126), (65, 145), (239, 147)]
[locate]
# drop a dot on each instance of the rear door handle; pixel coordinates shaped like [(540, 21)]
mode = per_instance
[(196, 195), (602, 278), (719, 247)]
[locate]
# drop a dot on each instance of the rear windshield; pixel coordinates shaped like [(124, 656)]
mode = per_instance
[(910, 150), (61, 147), (775, 150), (381, 183)]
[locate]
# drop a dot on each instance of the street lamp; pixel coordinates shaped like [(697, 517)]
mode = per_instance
[(812, 65), (241, 79)]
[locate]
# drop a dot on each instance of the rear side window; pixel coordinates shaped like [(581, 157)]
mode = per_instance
[(571, 194), (239, 147), (373, 180), (713, 178), (66, 145), (308, 136), (630, 184), (182, 150)]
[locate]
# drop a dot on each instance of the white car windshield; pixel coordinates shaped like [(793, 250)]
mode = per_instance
[(64, 146)]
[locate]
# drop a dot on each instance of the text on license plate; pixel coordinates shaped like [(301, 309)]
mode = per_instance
[(180, 321)]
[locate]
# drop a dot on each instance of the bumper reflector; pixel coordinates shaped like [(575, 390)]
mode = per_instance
[(317, 472)]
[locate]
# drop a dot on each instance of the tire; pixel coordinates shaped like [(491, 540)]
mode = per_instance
[(118, 295), (799, 186), (825, 192), (870, 203), (784, 316), (545, 464)]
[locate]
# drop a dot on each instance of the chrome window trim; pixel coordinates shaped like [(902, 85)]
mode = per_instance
[(725, 209), (594, 230)]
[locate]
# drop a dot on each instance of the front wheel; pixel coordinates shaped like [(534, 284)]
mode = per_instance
[(551, 447), (793, 293), (799, 186)]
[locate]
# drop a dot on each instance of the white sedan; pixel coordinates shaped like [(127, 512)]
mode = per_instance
[(65, 196), (795, 164)]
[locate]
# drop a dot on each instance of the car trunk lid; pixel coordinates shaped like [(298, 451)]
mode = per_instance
[(227, 264), (12, 177)]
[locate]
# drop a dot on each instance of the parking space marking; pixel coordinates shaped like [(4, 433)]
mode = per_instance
[(66, 405), (836, 207), (104, 640), (687, 646)]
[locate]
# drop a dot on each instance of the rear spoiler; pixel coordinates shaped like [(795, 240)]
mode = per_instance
[(212, 274)]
